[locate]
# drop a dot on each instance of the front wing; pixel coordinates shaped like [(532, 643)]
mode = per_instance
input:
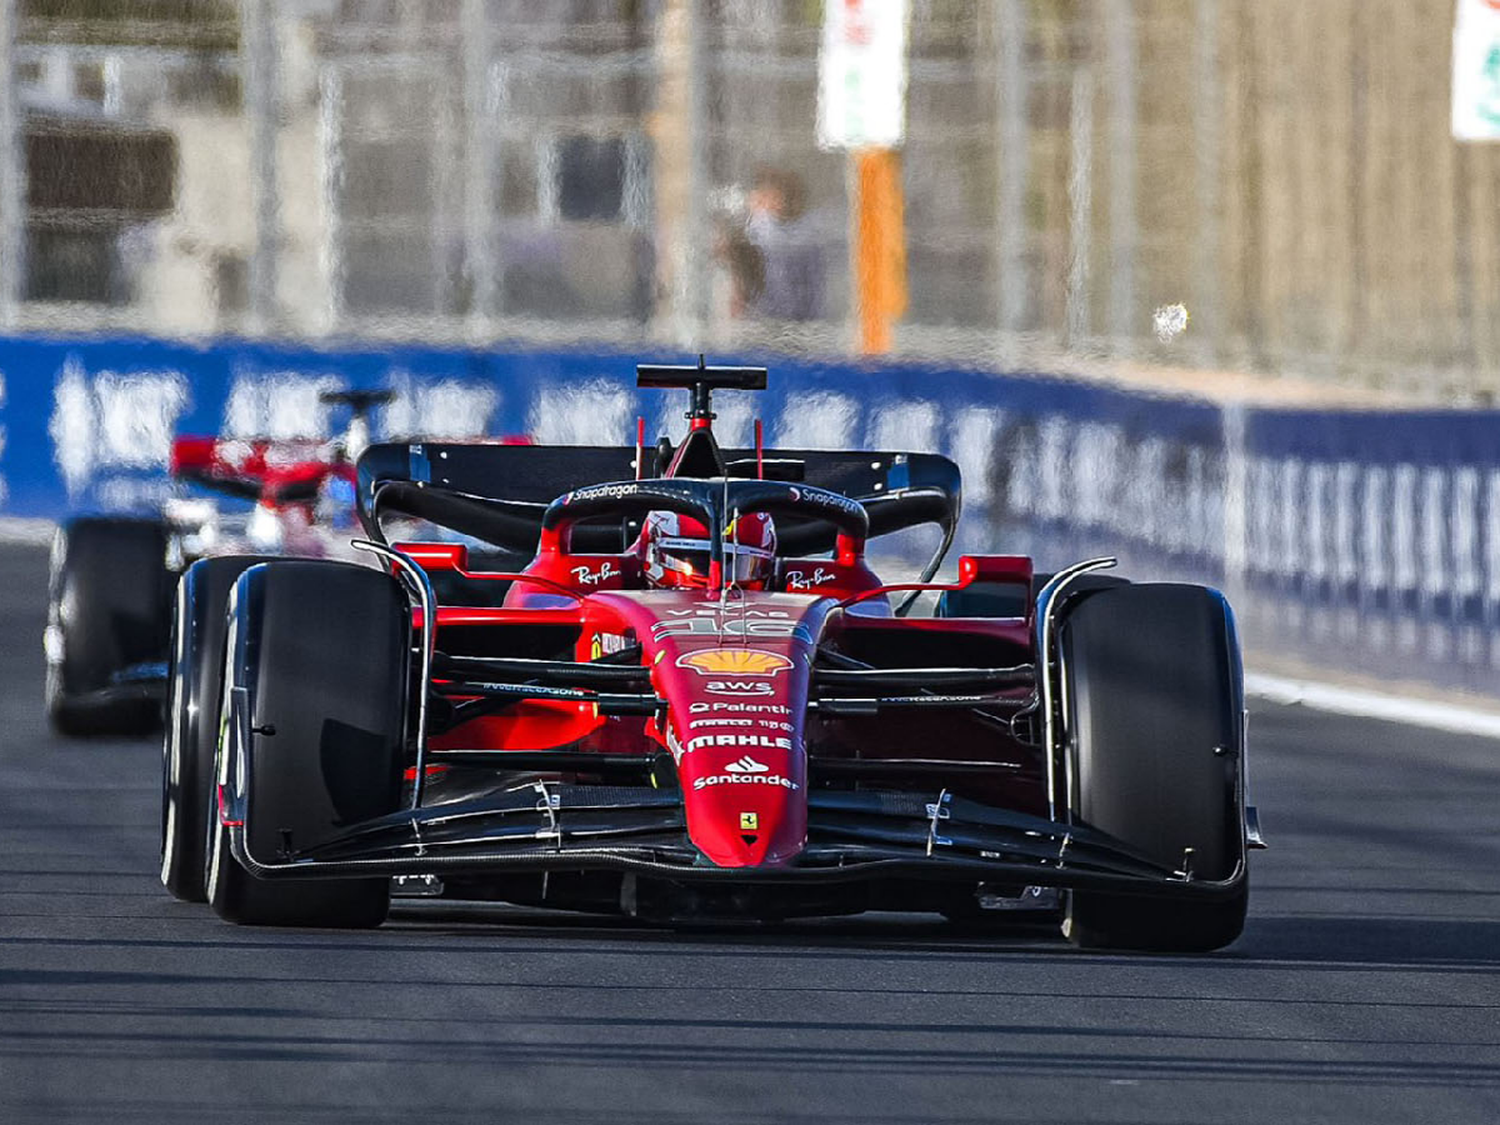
[(852, 836)]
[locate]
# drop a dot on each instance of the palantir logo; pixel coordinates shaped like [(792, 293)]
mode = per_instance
[(747, 764)]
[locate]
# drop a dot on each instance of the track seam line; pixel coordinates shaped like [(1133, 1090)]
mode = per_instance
[(1338, 700)]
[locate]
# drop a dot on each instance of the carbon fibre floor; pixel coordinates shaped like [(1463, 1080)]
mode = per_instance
[(1366, 988)]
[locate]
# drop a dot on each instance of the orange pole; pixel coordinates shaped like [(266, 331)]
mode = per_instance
[(880, 248)]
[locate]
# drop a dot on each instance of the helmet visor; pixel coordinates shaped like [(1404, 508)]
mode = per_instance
[(746, 564), (690, 557)]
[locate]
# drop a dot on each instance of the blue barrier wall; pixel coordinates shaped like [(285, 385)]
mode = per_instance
[(1353, 539)]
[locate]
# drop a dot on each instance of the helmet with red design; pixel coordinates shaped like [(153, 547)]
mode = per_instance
[(676, 550)]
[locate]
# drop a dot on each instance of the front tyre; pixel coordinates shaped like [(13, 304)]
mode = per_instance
[(318, 654), (1155, 721), (194, 680), (109, 600)]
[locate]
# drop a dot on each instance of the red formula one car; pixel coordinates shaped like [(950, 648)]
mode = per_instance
[(697, 701), (113, 576)]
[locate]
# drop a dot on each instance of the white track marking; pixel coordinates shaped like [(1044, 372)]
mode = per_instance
[(1374, 705), (15, 529)]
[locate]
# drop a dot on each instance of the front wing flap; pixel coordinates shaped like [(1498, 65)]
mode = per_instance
[(852, 836)]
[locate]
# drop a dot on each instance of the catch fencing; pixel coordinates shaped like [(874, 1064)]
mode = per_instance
[(1357, 541), (478, 170)]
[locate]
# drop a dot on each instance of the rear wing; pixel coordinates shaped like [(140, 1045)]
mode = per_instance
[(498, 493)]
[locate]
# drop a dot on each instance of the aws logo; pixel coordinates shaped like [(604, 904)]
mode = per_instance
[(740, 687)]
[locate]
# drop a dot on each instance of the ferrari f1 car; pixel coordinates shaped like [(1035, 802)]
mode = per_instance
[(697, 701), (113, 576)]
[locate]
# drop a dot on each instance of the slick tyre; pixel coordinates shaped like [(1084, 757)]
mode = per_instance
[(1155, 728), (109, 606), (194, 679), (317, 657)]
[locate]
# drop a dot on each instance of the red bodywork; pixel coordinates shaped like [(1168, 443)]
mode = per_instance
[(294, 485), (285, 478), (597, 713), (270, 470), (734, 667)]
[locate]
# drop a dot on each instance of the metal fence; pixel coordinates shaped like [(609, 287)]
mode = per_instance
[(605, 169)]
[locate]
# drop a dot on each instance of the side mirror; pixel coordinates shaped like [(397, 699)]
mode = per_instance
[(436, 556), (1008, 570)]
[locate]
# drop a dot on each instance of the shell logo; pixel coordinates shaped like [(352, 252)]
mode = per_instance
[(733, 662)]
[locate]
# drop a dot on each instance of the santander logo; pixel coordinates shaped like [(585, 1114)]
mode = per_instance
[(747, 764)]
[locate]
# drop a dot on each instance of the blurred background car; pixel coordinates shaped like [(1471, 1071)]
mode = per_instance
[(114, 577)]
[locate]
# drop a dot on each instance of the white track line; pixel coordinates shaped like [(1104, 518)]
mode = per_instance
[(17, 529), (1374, 705)]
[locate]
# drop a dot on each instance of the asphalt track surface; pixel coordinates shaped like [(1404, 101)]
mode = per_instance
[(1366, 988)]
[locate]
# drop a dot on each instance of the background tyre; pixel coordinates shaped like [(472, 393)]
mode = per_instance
[(109, 609), (1155, 703), (322, 650), (194, 678)]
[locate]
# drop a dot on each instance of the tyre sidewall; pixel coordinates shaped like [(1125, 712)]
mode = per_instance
[(294, 626), (109, 605), (196, 676)]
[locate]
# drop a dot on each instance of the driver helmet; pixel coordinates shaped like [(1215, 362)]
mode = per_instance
[(676, 550)]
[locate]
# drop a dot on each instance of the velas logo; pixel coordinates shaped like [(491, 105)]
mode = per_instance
[(734, 662), (747, 764)]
